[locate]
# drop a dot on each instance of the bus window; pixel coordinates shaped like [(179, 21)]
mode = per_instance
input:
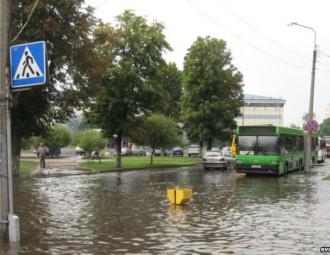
[(268, 145), (246, 145)]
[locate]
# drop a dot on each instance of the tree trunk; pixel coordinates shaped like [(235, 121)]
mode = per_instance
[(201, 144), (152, 156), (209, 143), (118, 150)]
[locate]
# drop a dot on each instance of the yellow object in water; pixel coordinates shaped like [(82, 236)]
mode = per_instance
[(179, 196), (240, 175)]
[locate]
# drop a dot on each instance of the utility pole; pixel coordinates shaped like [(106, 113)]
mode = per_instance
[(4, 191), (9, 223), (311, 101)]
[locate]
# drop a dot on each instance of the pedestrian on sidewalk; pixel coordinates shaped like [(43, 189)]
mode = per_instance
[(42, 154), (96, 155)]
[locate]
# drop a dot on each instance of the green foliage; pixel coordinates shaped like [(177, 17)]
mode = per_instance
[(35, 141), (130, 84), (292, 125), (213, 94), (159, 131), (66, 27), (325, 127), (172, 82), (57, 137), (88, 140)]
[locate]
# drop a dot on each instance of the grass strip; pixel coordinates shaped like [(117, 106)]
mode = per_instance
[(139, 162)]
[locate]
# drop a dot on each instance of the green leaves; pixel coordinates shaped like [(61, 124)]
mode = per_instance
[(212, 90)]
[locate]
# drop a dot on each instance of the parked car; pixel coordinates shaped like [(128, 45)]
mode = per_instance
[(158, 152), (177, 151), (80, 151), (55, 151), (193, 150), (126, 152), (139, 150), (218, 159)]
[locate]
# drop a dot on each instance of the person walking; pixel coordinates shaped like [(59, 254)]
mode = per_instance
[(96, 155), (42, 154)]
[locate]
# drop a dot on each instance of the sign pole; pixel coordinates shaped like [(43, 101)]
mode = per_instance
[(4, 42)]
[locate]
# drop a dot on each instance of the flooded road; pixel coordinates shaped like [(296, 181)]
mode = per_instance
[(129, 213)]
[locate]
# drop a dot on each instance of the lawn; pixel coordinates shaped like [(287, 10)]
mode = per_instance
[(27, 166), (139, 162), (327, 178)]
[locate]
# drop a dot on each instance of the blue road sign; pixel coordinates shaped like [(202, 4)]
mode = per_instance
[(28, 64)]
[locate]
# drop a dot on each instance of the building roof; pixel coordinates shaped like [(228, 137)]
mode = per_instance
[(255, 99)]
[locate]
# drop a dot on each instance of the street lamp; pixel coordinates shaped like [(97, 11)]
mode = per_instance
[(311, 100)]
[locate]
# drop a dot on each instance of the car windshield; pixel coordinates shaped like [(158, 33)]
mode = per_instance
[(258, 145)]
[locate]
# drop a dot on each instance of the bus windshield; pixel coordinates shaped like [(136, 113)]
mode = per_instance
[(258, 145)]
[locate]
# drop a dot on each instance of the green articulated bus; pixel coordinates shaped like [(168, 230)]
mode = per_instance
[(271, 149)]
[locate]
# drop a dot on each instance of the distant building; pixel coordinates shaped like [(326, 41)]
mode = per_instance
[(261, 110), (327, 111)]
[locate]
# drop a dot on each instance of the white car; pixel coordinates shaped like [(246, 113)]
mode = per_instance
[(80, 151), (193, 150), (138, 150), (218, 159)]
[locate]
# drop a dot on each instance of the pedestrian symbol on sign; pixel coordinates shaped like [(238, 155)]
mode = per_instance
[(28, 67)]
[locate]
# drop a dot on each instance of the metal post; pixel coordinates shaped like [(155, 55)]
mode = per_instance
[(13, 220), (311, 101), (4, 42), (9, 222)]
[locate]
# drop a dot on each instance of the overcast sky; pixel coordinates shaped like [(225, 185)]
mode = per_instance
[(274, 58)]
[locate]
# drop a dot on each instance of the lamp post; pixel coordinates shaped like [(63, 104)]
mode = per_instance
[(311, 100)]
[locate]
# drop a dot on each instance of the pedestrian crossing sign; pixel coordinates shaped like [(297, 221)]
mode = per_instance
[(28, 64)]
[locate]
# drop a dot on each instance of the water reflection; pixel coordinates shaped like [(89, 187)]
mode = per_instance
[(128, 212)]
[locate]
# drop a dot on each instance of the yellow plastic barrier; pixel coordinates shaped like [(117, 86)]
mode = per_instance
[(240, 175), (179, 196)]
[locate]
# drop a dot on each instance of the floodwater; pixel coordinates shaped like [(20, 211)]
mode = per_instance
[(129, 213)]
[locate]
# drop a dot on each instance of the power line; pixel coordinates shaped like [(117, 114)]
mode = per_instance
[(261, 33), (243, 40), (266, 36)]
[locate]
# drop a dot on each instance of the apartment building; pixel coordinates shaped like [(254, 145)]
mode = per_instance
[(261, 110)]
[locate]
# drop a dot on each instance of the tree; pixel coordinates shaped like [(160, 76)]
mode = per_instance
[(66, 26), (130, 85), (292, 125), (325, 127), (158, 131), (172, 82), (58, 137), (88, 140), (212, 96)]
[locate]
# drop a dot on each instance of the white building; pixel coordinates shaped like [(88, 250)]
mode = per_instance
[(261, 110), (327, 111)]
